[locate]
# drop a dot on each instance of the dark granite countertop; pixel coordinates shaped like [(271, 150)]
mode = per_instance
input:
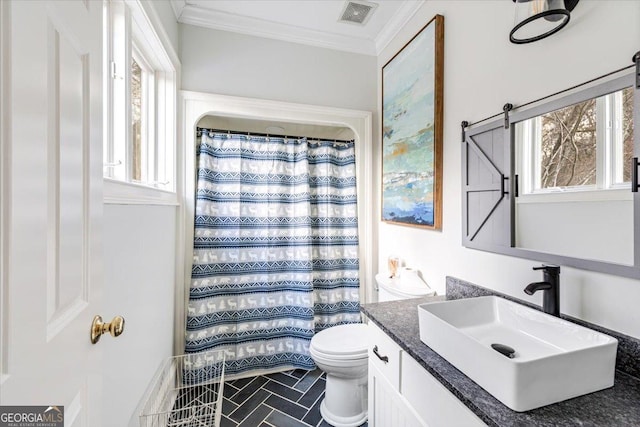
[(616, 406)]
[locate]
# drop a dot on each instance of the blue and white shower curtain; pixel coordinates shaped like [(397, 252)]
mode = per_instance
[(275, 248)]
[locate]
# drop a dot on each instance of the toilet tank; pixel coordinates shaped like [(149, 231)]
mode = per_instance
[(409, 286)]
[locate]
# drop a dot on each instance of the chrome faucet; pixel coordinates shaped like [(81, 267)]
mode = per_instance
[(551, 287)]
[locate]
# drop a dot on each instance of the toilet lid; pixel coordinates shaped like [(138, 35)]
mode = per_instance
[(342, 340)]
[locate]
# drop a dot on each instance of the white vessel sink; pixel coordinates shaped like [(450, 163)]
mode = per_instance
[(554, 359)]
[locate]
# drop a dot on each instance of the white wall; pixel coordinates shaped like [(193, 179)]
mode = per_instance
[(139, 264), (483, 71), (227, 63), (167, 19)]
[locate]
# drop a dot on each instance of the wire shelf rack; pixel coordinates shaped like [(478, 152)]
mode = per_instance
[(186, 391)]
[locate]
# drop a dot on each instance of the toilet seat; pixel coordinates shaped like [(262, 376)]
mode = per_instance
[(333, 360), (343, 342)]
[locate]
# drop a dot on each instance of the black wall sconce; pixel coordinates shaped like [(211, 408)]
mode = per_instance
[(537, 19)]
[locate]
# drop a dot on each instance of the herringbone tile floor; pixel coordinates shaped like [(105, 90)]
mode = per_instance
[(287, 399)]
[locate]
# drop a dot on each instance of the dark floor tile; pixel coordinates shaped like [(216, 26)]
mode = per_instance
[(286, 406), (298, 373), (229, 390), (313, 393), (226, 422), (308, 380), (228, 406), (249, 405), (248, 389), (241, 382), (256, 417), (283, 378), (313, 417), (282, 390), (279, 419), (270, 401)]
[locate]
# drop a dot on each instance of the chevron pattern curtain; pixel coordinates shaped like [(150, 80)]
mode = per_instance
[(275, 248)]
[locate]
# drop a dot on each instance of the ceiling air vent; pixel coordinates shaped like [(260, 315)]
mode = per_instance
[(357, 12)]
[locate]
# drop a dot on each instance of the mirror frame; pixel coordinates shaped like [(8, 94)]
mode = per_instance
[(594, 91)]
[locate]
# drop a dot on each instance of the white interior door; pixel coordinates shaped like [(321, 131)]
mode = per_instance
[(52, 205)]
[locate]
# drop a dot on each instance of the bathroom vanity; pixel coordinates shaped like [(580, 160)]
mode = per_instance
[(404, 394), (415, 386)]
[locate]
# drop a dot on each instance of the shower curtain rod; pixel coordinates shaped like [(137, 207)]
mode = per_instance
[(341, 141)]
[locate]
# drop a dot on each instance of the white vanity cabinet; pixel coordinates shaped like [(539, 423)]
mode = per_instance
[(403, 394), (387, 406)]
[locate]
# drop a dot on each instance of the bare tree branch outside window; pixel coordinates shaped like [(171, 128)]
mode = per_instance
[(568, 146), (627, 132), (136, 119)]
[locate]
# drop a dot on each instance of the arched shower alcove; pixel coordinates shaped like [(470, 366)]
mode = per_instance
[(195, 106)]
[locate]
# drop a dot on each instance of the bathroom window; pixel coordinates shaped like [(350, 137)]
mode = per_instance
[(581, 147), (142, 126), (140, 134)]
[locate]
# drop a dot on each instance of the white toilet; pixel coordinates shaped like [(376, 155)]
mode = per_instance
[(341, 352), (409, 286)]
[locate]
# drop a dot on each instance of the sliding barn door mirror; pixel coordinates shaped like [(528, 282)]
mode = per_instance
[(553, 182)]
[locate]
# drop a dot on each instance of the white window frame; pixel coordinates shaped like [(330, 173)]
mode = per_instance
[(615, 133), (609, 158), (130, 33)]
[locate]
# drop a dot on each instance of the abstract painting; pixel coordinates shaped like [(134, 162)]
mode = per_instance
[(412, 130)]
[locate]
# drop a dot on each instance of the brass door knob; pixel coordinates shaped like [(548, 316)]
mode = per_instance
[(98, 327)]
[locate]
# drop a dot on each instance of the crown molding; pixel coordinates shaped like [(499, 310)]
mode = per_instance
[(260, 28), (396, 23), (224, 21)]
